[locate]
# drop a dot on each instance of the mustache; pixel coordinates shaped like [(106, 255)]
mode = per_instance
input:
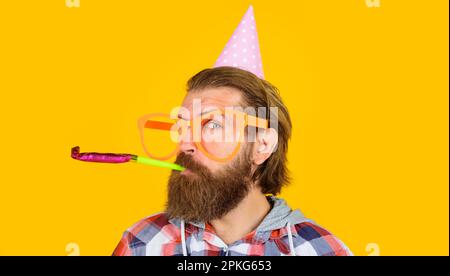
[(188, 162)]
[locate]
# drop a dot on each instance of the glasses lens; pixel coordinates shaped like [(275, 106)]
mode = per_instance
[(220, 134), (159, 136)]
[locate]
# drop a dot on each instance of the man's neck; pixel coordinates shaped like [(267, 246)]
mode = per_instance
[(244, 218)]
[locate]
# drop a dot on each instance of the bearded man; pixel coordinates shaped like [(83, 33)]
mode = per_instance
[(224, 202)]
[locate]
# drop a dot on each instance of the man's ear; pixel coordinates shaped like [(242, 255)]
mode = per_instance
[(266, 142)]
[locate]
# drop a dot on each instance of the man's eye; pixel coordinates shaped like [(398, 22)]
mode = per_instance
[(212, 125)]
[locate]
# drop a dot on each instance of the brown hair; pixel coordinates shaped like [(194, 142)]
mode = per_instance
[(273, 173)]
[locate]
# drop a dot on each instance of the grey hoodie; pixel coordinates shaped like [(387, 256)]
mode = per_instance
[(282, 232)]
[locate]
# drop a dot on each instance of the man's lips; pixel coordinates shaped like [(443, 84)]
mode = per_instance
[(187, 172)]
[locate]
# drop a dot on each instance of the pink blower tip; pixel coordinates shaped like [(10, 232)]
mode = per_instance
[(101, 157)]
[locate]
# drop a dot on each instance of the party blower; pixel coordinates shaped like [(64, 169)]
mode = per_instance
[(121, 158)]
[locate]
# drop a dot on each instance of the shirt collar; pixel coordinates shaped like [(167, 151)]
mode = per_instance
[(273, 225)]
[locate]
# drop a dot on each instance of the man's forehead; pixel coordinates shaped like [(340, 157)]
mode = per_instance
[(212, 99)]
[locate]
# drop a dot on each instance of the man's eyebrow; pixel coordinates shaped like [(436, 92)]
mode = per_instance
[(208, 111), (180, 116)]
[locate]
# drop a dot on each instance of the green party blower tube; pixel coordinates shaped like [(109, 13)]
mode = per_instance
[(157, 163)]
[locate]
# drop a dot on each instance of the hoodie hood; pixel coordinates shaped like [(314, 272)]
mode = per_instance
[(280, 215)]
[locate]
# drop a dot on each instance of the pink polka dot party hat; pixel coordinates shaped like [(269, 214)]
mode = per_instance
[(242, 50)]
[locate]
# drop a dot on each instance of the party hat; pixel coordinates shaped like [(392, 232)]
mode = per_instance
[(242, 50)]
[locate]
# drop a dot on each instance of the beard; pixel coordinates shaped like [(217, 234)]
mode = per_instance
[(202, 196)]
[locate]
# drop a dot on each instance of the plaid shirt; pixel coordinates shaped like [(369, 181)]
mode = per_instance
[(158, 235)]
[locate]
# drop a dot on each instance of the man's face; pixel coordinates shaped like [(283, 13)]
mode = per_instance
[(207, 189), (210, 100)]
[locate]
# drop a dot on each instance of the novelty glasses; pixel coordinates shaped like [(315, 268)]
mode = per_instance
[(218, 134)]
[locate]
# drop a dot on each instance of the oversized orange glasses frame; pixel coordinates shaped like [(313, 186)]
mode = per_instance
[(150, 121)]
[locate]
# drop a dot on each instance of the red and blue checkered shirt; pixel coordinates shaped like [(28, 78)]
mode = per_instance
[(283, 232)]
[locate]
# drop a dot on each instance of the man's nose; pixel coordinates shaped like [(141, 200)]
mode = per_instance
[(186, 144)]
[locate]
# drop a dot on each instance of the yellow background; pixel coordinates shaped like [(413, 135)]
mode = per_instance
[(367, 89)]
